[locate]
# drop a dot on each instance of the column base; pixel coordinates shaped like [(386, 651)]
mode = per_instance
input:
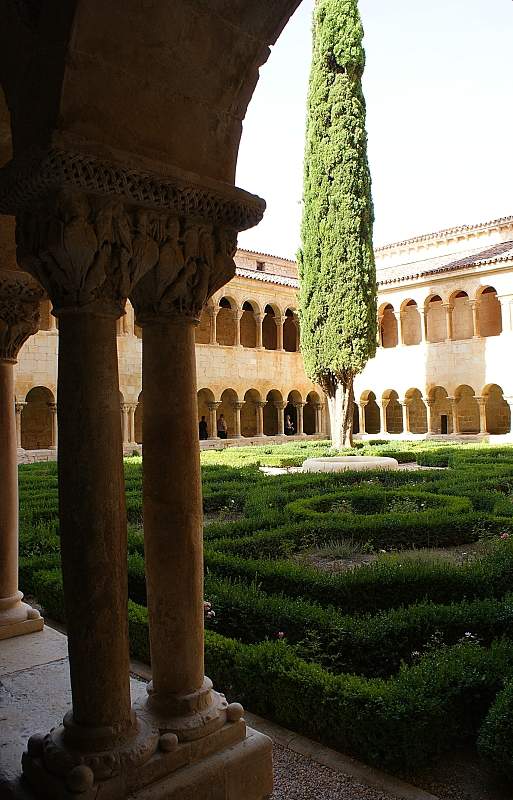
[(21, 628), (234, 762), (18, 618)]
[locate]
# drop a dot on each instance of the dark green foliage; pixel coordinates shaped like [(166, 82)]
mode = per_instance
[(495, 741), (336, 260)]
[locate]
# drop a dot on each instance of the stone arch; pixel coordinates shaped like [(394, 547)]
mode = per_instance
[(393, 412), (269, 331), (462, 317), (271, 412), (248, 324), (371, 413), (389, 335), (436, 324), (204, 398), (410, 323), (227, 409), (293, 399), (310, 414), (440, 410), (138, 420), (498, 414), (249, 414), (290, 332), (36, 419), (490, 315), (202, 330), (417, 411), (466, 409), (226, 322)]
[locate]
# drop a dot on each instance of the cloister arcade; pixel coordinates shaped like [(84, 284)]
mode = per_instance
[(455, 316), (231, 324)]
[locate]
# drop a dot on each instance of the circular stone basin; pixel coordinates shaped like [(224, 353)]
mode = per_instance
[(346, 463)]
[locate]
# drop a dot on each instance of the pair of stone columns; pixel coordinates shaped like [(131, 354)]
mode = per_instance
[(128, 422), (91, 251)]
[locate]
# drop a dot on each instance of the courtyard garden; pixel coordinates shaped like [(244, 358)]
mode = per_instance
[(371, 611)]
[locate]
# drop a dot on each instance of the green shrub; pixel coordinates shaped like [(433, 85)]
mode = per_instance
[(495, 741)]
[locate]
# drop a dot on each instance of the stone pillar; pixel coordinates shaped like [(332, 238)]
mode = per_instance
[(475, 319), (454, 411), (19, 318), (237, 316), (19, 410), (237, 407), (279, 320), (430, 405), (212, 418), (131, 422), (448, 320), (383, 415), (260, 405), (213, 323), (107, 249), (259, 318), (402, 317), (280, 406), (405, 406), (318, 418), (299, 413), (379, 331), (361, 414), (125, 423), (53, 416), (481, 401), (423, 330)]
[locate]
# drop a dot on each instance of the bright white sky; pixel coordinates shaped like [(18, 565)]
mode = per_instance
[(438, 86)]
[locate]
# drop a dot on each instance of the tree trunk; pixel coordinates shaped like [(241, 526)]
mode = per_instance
[(341, 406)]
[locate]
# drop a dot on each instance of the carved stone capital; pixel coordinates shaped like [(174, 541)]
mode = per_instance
[(20, 296), (194, 261), (86, 251)]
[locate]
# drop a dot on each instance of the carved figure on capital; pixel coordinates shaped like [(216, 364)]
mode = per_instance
[(20, 296)]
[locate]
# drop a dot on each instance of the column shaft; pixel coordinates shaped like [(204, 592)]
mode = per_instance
[(259, 405), (258, 322), (279, 332), (481, 401), (53, 416), (19, 410), (280, 408), (93, 521), (299, 412), (361, 412), (448, 320), (237, 409), (383, 416), (423, 335), (213, 326), (8, 494)]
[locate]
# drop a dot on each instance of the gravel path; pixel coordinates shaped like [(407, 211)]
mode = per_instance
[(297, 777)]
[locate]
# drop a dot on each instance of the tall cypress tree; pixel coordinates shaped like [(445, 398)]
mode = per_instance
[(336, 261)]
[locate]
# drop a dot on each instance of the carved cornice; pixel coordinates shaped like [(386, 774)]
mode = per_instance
[(20, 297), (26, 181)]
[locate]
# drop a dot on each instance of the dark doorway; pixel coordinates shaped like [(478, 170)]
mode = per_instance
[(444, 424)]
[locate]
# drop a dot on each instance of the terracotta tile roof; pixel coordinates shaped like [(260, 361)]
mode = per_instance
[(494, 254), (265, 255), (446, 233), (267, 277)]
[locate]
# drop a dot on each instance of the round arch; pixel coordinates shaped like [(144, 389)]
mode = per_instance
[(436, 324), (227, 321), (462, 317), (248, 324), (38, 419), (466, 410), (226, 412), (490, 313), (389, 334), (290, 332), (393, 412), (417, 411), (411, 332), (249, 413), (269, 327), (371, 415), (498, 413)]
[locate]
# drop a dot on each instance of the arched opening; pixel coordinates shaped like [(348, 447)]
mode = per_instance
[(138, 420), (37, 419), (202, 330), (462, 318), (45, 311), (417, 411), (226, 322), (467, 410), (271, 413), (205, 398), (498, 414), (310, 414), (435, 320), (371, 413), (249, 414), (226, 412), (490, 316), (248, 330), (290, 336), (440, 411), (291, 413), (393, 412), (410, 323), (388, 327), (269, 332)]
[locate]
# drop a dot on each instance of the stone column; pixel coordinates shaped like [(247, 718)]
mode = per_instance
[(318, 418), (279, 320), (212, 418), (237, 407), (19, 410), (454, 411), (259, 318), (481, 401), (379, 331), (475, 319), (402, 317), (125, 422), (430, 405), (280, 406), (299, 413), (406, 415), (361, 414), (53, 415), (423, 332), (260, 405), (448, 320), (213, 324), (237, 316), (383, 415), (107, 248), (19, 318), (132, 407)]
